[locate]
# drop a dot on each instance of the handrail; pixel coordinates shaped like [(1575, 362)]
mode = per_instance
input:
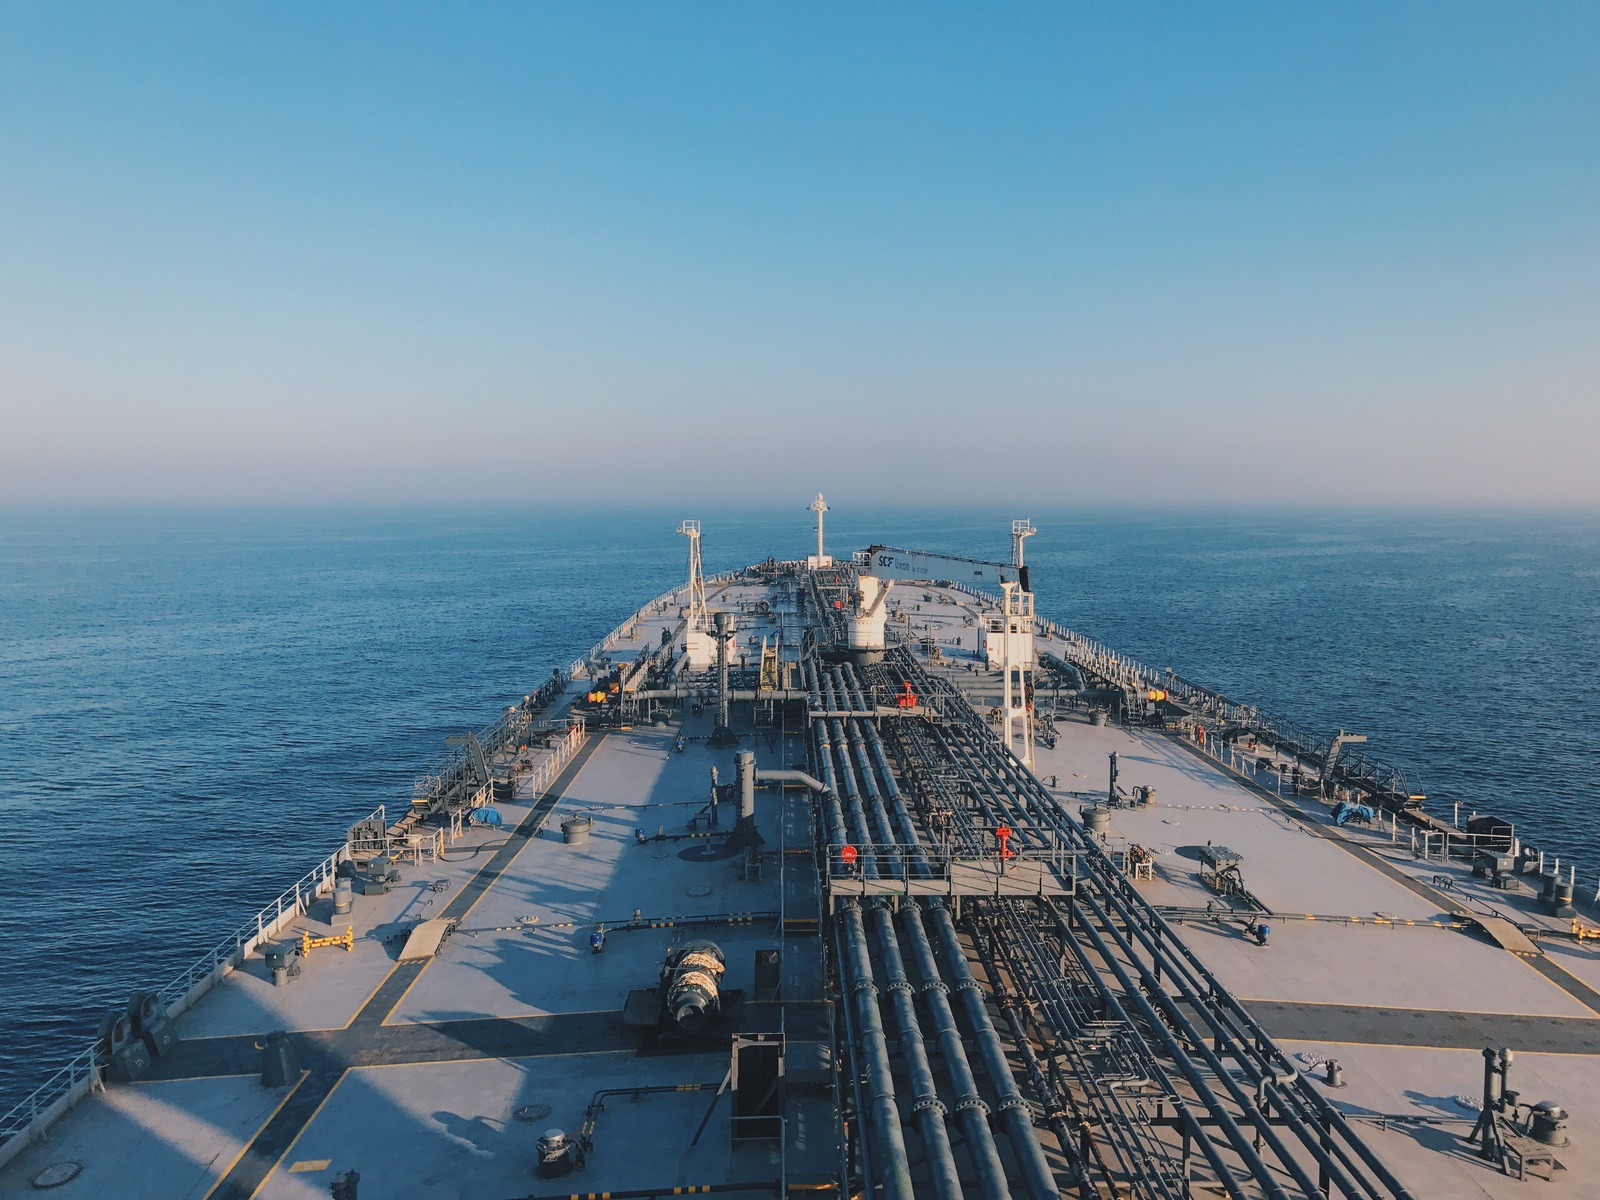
[(82, 1071), (1086, 652), (581, 664), (545, 773), (29, 1116)]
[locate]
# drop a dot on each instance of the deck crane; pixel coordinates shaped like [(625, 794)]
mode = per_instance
[(877, 569)]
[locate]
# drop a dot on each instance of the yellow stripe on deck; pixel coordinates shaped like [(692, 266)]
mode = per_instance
[(310, 1164)]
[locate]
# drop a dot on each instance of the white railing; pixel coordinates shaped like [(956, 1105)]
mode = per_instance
[(545, 773), (581, 665), (67, 1086), (38, 1110)]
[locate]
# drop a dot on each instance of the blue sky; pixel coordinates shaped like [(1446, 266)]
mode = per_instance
[(1241, 254)]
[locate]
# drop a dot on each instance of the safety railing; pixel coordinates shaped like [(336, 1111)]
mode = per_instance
[(49, 1100), (83, 1071), (459, 772), (545, 773), (933, 871), (580, 666), (20, 1124), (1120, 670)]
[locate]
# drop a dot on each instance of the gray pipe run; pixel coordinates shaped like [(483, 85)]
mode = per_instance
[(895, 1167), (971, 1111), (1229, 1127), (1268, 1086), (1336, 1157), (926, 1107), (851, 774), (816, 785), (1253, 1116), (1055, 1112), (1013, 1107), (1330, 1157)]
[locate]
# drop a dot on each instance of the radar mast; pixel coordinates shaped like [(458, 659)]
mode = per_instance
[(697, 580), (819, 506)]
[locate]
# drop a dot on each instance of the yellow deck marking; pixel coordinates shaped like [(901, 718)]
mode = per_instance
[(1465, 1012), (250, 1141), (310, 1164), (593, 739), (315, 1113)]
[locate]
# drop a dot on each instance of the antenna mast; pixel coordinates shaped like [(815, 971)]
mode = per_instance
[(1017, 626), (819, 506), (1020, 532), (697, 580)]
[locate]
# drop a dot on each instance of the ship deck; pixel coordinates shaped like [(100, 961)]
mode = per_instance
[(434, 1078)]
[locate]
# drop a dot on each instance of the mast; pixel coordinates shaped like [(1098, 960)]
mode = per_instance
[(819, 506), (697, 581)]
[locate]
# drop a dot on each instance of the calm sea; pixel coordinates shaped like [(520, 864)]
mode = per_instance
[(194, 705)]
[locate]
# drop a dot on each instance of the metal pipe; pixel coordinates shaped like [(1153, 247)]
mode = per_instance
[(1270, 1080), (971, 1111), (1312, 1140), (894, 1164), (895, 1168), (1055, 1115), (1197, 1132), (1199, 1135), (926, 1107), (816, 785), (1230, 1128), (1257, 1167), (881, 825), (1013, 1108), (1125, 1124), (1259, 1056), (1135, 912)]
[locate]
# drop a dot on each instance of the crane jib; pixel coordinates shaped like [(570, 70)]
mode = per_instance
[(887, 562)]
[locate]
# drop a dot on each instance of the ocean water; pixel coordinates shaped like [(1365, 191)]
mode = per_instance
[(194, 705)]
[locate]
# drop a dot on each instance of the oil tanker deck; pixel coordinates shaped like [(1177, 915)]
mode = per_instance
[(861, 879)]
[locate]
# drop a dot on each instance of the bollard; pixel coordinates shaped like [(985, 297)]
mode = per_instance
[(278, 1065), (343, 897), (276, 955), (1335, 1074)]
